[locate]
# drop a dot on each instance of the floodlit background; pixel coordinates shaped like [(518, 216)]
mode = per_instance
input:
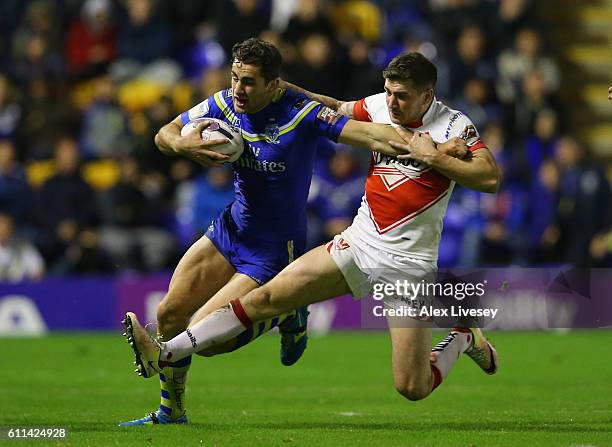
[(84, 86), (93, 218)]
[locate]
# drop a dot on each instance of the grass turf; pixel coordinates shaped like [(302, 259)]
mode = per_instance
[(552, 390)]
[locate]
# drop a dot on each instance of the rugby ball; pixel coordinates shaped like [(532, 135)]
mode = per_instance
[(219, 130)]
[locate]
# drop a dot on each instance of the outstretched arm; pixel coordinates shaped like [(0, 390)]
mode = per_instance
[(373, 136), (377, 137), (478, 172), (170, 142), (342, 107)]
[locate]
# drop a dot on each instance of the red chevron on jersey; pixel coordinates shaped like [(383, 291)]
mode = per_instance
[(392, 177), (392, 204)]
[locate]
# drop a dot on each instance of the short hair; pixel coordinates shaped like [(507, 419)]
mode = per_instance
[(412, 67), (262, 54)]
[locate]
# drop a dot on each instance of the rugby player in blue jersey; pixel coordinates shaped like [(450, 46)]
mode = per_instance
[(264, 228)]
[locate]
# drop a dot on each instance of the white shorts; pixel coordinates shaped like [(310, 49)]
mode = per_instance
[(368, 270)]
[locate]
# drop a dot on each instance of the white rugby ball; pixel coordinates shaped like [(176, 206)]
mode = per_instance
[(219, 130)]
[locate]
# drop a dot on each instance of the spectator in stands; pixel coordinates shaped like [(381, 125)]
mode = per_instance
[(130, 233), (37, 44), (143, 127), (46, 117), (200, 200), (449, 17), (541, 143), (66, 203), (308, 18), (584, 211), (145, 44), (19, 259), (144, 33), (542, 215), (335, 194), (509, 16), (91, 44), (478, 103), (317, 68), (105, 130), (533, 100), (363, 75), (470, 60), (239, 20), (504, 240), (513, 64)]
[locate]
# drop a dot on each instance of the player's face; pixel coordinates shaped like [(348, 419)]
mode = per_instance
[(249, 88), (406, 104)]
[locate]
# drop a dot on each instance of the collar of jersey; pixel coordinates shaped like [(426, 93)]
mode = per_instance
[(426, 118)]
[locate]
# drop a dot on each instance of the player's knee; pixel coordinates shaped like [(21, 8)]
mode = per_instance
[(260, 299), (170, 318), (413, 390)]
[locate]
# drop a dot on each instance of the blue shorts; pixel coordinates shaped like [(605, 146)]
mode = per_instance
[(258, 259)]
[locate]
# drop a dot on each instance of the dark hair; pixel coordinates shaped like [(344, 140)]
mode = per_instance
[(262, 54), (412, 67)]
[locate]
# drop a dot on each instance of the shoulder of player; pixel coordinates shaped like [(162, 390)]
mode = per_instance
[(373, 105), (296, 102), (297, 105), (454, 121)]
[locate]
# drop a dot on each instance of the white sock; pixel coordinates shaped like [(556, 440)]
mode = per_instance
[(447, 352), (218, 327)]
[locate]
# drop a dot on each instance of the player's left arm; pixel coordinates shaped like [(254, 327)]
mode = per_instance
[(478, 172)]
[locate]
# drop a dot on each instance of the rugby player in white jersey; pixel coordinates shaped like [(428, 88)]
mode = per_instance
[(394, 236)]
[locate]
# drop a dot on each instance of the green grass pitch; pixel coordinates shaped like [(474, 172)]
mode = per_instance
[(553, 389)]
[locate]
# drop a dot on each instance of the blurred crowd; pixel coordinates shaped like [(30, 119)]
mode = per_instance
[(86, 84)]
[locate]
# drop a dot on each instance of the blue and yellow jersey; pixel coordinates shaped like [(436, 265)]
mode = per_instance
[(272, 177)]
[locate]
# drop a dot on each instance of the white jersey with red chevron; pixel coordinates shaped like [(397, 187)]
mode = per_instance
[(404, 202)]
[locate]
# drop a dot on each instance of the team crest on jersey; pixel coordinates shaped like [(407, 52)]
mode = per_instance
[(298, 105), (469, 134), (272, 132), (328, 115)]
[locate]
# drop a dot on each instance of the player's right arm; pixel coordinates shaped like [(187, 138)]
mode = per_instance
[(375, 137), (170, 142)]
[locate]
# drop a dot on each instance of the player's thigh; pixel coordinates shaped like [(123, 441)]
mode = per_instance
[(199, 275), (410, 351), (311, 278), (239, 285)]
